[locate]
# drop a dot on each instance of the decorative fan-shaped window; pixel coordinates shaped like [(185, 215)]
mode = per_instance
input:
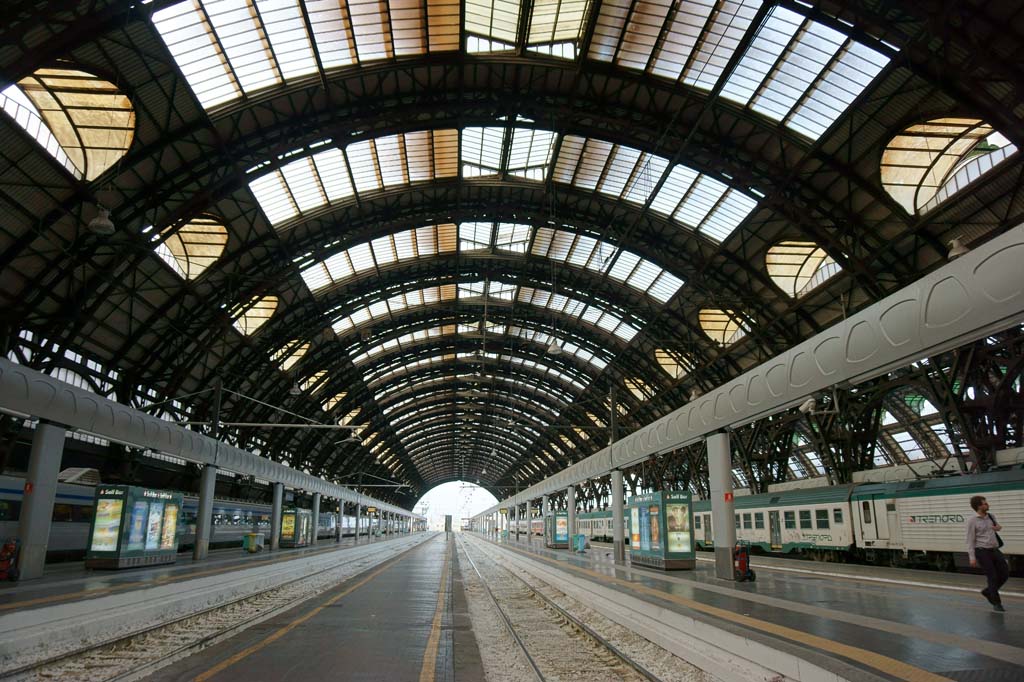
[(640, 389), (194, 246), (722, 326), (929, 162), (84, 122), (256, 314), (675, 365), (331, 402), (799, 267)]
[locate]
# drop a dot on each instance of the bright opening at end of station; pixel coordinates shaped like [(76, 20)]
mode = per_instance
[(460, 499)]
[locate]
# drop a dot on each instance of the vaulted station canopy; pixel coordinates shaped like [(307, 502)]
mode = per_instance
[(479, 232)]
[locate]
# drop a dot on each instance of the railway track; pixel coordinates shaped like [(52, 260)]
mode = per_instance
[(534, 621), (143, 652)]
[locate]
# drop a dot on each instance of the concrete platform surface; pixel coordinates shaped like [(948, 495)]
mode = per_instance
[(873, 619)]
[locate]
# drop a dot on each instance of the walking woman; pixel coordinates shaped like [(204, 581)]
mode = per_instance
[(983, 549)]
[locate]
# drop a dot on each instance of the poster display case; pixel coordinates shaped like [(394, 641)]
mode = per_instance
[(296, 527), (556, 530), (660, 527), (133, 526)]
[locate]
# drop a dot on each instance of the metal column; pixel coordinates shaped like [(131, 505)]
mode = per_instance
[(722, 513), (316, 518), (529, 521), (37, 501), (359, 521), (204, 516), (618, 522), (275, 516), (570, 504)]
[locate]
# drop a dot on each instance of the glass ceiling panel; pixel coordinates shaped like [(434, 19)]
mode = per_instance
[(493, 19), (417, 243), (255, 314), (573, 308), (556, 21)]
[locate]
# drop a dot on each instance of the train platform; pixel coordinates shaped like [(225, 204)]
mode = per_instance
[(863, 623), (405, 619), (71, 582)]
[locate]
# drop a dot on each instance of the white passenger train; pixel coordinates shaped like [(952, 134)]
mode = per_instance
[(909, 523), (73, 510)]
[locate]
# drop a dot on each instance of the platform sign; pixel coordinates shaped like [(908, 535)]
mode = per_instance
[(133, 526), (661, 535)]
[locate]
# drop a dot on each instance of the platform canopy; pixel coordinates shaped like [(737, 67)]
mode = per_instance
[(460, 227)]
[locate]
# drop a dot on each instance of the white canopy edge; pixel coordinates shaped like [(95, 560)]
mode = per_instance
[(974, 296), (31, 393)]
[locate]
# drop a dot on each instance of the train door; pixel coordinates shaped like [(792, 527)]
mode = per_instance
[(867, 521), (883, 515), (775, 530), (709, 535)]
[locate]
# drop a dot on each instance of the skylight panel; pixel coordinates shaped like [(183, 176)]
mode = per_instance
[(443, 25), (481, 151), (245, 42), (719, 42), (648, 171), (191, 41), (556, 20), (730, 212), (302, 180), (833, 93), (255, 314), (512, 237), (274, 198), (332, 32), (674, 189), (700, 201), (371, 28), (681, 36), (608, 29), (391, 158), (333, 175), (313, 380), (384, 251), (665, 286), (760, 58), (290, 354), (813, 49), (408, 25), (592, 163), (620, 169), (362, 159), (637, 41), (530, 153), (475, 236), (644, 276), (283, 22), (496, 19)]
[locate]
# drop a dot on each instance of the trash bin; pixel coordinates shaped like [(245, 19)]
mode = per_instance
[(252, 542)]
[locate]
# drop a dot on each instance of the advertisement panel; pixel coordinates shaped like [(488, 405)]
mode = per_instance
[(288, 525), (655, 528), (645, 528), (156, 517), (107, 525), (561, 529), (137, 526), (169, 538), (679, 539)]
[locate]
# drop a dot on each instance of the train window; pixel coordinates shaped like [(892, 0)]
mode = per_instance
[(805, 518), (737, 520), (890, 506), (61, 513), (790, 518), (822, 517), (696, 522), (10, 510), (746, 521), (865, 511), (759, 520), (837, 516)]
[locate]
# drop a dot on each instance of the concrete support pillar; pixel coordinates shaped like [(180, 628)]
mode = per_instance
[(570, 505), (529, 521), (37, 502), (515, 520), (359, 522), (618, 522), (275, 516), (204, 515), (341, 518), (316, 517), (722, 512), (545, 506)]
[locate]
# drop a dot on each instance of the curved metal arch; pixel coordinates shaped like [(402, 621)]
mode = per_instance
[(506, 406)]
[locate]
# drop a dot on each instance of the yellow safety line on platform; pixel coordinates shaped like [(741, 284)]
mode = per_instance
[(159, 580), (889, 666), (269, 639), (429, 666)]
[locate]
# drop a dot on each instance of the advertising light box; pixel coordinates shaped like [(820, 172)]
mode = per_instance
[(556, 530), (133, 526), (661, 535), (296, 527)]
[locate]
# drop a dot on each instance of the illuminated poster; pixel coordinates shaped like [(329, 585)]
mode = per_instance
[(561, 528), (655, 529), (137, 527), (645, 529), (634, 528), (288, 526), (678, 527), (168, 539), (156, 515), (107, 525)]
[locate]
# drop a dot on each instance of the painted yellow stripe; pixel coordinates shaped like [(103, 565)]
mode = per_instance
[(273, 637), (885, 664), (430, 652)]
